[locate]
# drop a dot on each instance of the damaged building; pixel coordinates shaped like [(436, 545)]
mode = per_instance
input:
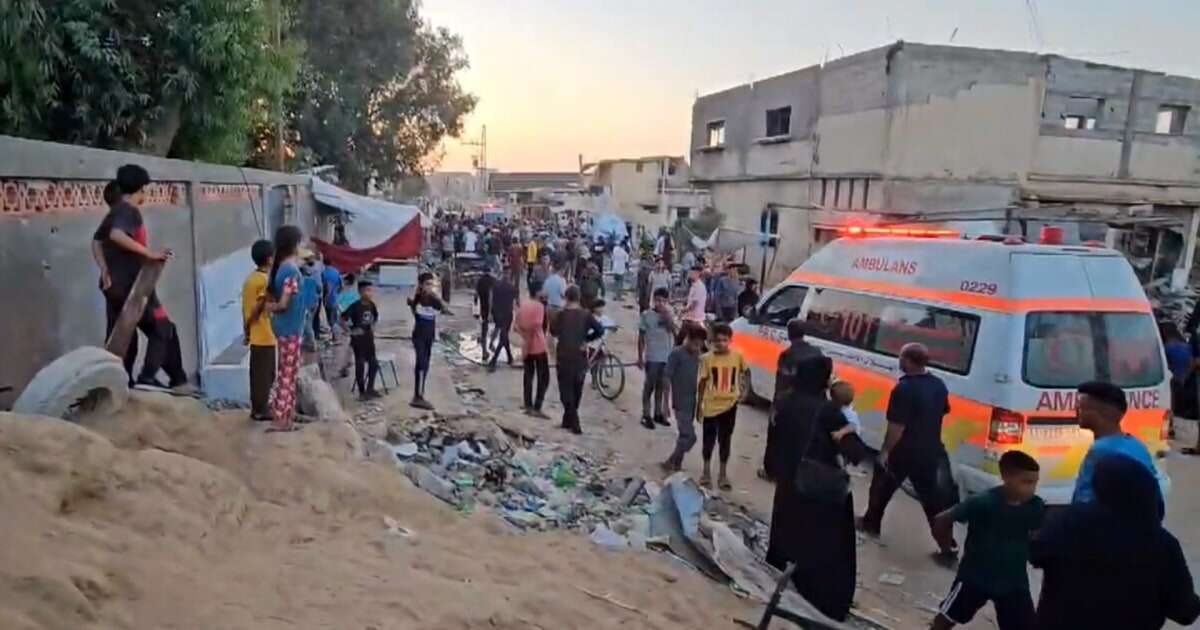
[(990, 140)]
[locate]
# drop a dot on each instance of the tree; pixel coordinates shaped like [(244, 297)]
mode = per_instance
[(185, 78), (378, 89)]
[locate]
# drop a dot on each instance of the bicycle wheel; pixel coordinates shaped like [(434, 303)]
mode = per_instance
[(609, 376)]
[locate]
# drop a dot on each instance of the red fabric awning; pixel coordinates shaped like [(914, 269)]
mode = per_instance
[(405, 243)]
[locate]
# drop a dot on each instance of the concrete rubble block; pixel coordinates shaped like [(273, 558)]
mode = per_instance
[(317, 398), (428, 481), (84, 379)]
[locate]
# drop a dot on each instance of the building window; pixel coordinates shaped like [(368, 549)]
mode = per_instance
[(716, 133), (649, 209), (1083, 112), (683, 213), (638, 167), (768, 221), (1171, 119), (779, 122), (670, 167)]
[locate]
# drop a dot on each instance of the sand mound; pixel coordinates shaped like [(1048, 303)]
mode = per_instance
[(172, 516)]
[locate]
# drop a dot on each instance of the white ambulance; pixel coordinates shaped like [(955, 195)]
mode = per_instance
[(1012, 328)]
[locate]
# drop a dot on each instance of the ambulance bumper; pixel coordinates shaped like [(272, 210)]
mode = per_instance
[(974, 481)]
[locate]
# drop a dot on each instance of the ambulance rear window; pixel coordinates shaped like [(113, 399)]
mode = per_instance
[(884, 325), (1068, 349)]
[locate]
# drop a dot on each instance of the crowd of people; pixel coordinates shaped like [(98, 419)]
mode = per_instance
[(1108, 562)]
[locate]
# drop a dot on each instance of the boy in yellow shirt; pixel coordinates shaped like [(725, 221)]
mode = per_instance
[(256, 323), (721, 371)]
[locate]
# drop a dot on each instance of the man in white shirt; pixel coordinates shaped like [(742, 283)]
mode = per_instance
[(697, 299), (620, 265), (469, 240)]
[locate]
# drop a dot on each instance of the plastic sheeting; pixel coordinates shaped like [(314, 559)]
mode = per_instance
[(726, 240), (375, 229), (609, 225), (370, 221)]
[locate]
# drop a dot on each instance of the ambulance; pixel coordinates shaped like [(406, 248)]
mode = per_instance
[(1012, 328)]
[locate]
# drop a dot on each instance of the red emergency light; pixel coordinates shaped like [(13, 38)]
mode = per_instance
[(870, 230)]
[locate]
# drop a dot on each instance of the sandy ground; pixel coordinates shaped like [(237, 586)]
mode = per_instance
[(171, 516)]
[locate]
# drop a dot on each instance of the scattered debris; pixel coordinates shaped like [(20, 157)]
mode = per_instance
[(609, 599), (892, 579)]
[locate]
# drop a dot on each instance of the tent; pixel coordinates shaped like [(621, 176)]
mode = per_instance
[(609, 225), (375, 229)]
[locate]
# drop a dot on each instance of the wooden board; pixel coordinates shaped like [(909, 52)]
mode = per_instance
[(135, 305)]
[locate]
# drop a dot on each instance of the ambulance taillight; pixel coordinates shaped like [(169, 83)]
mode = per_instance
[(1007, 427)]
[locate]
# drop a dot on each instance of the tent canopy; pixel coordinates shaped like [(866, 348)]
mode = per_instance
[(375, 229)]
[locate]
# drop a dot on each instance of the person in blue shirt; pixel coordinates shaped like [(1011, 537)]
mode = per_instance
[(1101, 406), (288, 323), (331, 280), (310, 297)]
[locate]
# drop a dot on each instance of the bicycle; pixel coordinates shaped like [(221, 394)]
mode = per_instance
[(608, 372)]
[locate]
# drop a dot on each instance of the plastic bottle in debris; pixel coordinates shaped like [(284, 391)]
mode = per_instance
[(563, 476)]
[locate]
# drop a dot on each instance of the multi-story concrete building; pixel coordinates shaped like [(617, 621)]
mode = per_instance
[(916, 129), (650, 192)]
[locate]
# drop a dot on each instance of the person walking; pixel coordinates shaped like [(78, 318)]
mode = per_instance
[(619, 266), (661, 278), (332, 282), (1000, 524), (786, 374), (656, 334), (483, 303), (682, 375), (531, 325), (555, 288), (812, 524), (363, 316), (504, 299), (574, 327), (693, 312), (1109, 562), (912, 448), (748, 298), (721, 372), (426, 306), (727, 288), (1100, 409), (120, 246), (288, 323), (645, 268)]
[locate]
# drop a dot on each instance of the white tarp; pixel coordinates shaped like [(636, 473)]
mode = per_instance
[(371, 221), (726, 240)]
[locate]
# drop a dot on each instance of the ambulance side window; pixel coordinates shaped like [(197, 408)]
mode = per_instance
[(783, 307)]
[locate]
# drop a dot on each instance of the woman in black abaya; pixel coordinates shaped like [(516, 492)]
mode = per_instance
[(819, 537)]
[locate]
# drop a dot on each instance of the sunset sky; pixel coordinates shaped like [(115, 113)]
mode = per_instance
[(616, 78)]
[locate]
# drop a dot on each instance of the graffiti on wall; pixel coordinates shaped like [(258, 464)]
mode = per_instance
[(24, 197), (230, 192)]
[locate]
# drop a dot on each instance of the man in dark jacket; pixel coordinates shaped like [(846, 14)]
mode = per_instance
[(574, 327), (504, 298), (1110, 563), (483, 299)]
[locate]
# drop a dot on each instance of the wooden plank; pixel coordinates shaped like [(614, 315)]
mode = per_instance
[(135, 305)]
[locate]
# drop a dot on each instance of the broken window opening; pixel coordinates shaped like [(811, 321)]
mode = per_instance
[(670, 168), (1171, 119), (638, 168), (716, 133), (779, 121), (1083, 112)]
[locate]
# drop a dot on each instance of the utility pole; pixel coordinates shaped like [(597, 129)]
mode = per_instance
[(481, 171)]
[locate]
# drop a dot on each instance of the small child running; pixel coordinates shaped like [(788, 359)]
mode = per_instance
[(721, 372), (1000, 524), (842, 394)]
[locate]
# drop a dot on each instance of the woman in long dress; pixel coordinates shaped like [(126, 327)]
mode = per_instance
[(819, 537)]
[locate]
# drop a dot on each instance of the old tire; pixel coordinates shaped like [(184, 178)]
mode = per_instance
[(85, 379)]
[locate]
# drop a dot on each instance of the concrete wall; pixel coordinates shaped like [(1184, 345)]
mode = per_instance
[(50, 207)]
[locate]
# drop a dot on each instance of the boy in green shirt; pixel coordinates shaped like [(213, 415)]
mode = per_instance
[(1000, 524)]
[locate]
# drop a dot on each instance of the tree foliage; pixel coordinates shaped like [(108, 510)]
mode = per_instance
[(186, 78), (378, 89)]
